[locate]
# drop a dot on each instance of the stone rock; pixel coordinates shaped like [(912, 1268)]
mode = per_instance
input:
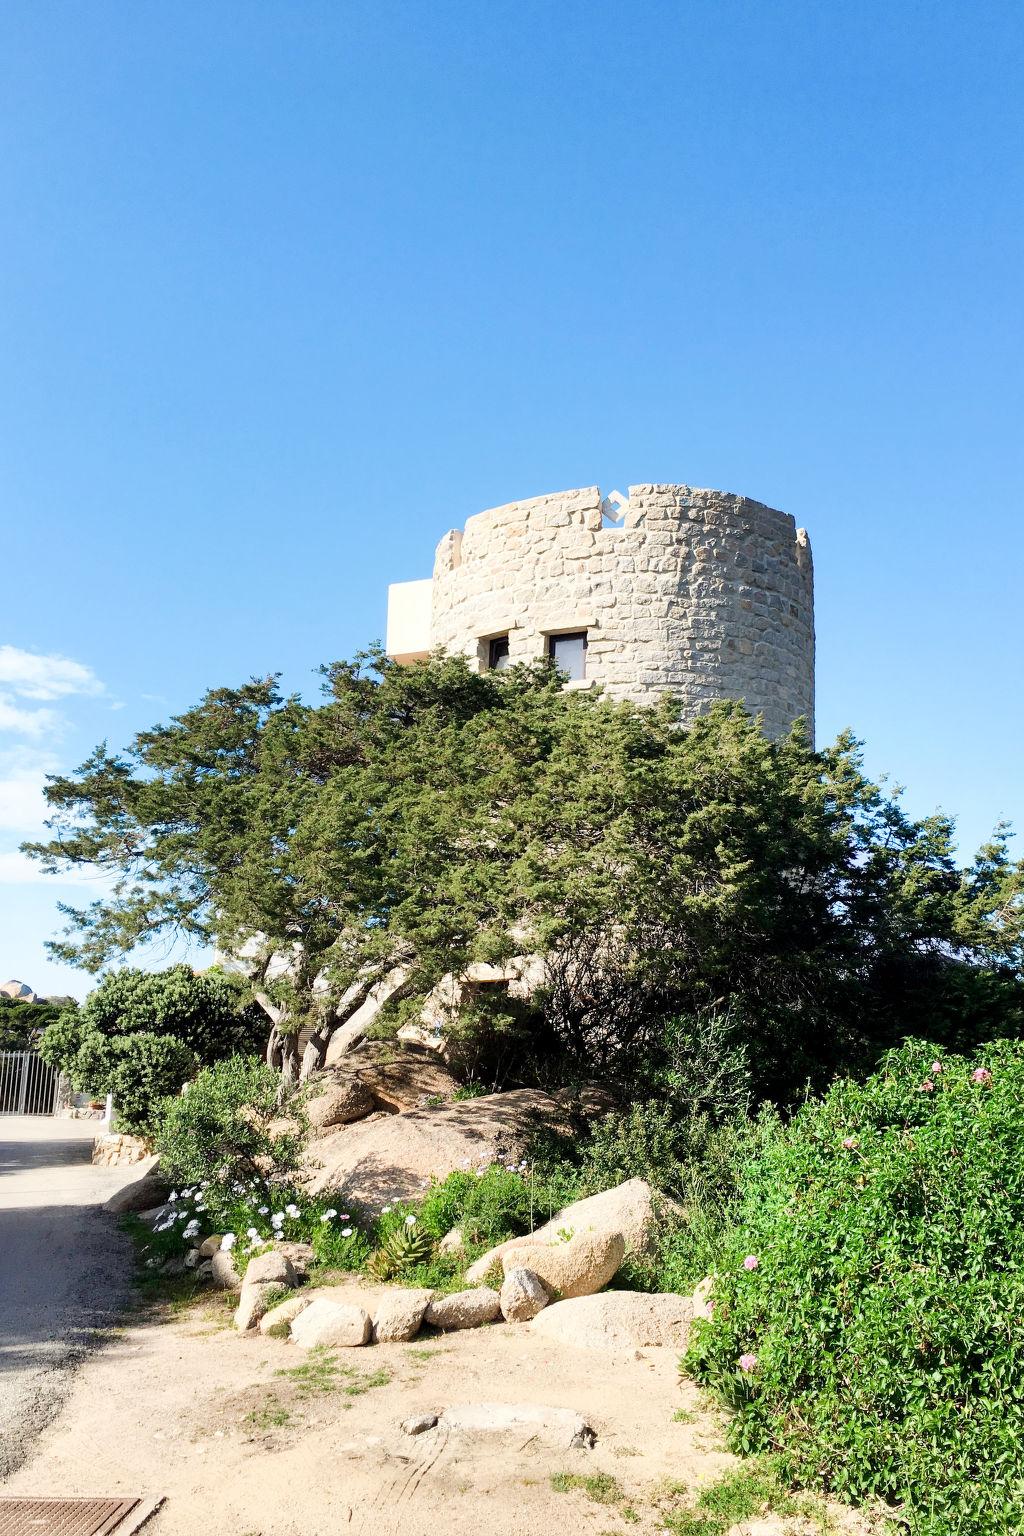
[(579, 1267), (618, 1320), (204, 1271), (283, 1126), (277, 1321), (375, 1162), (209, 1246), (701, 1299), (563, 1426), (452, 1242), (271, 1267), (118, 1151), (142, 1195), (192, 1258), (299, 1255), (331, 1323), (398, 1315), (397, 1080), (419, 1423), (339, 1102), (523, 1294), (253, 1303), (223, 1271), (158, 1214), (632, 1208), (464, 1309)]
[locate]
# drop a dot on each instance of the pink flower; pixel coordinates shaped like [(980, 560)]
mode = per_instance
[(850, 1143), (981, 1075), (747, 1363), (927, 1086), (751, 1261), (936, 1067)]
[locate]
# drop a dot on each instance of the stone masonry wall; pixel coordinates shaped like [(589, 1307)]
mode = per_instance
[(699, 592)]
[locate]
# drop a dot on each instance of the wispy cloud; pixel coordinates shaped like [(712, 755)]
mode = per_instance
[(37, 675), (22, 774), (27, 722), (16, 869), (30, 683)]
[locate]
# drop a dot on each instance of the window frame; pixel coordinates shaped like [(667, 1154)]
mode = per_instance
[(551, 643), (494, 663)]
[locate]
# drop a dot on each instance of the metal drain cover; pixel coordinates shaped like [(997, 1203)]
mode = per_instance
[(71, 1517)]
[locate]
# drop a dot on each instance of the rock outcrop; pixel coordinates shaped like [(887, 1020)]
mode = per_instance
[(632, 1209), (464, 1309), (618, 1320), (523, 1294), (331, 1323), (378, 1161)]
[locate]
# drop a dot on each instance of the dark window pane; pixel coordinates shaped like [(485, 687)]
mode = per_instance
[(497, 654), (569, 653)]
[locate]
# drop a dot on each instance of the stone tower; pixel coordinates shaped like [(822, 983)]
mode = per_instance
[(701, 593)]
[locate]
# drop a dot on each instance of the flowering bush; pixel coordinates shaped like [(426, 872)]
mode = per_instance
[(867, 1315)]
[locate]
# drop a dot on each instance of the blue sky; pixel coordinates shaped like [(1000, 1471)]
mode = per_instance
[(287, 290)]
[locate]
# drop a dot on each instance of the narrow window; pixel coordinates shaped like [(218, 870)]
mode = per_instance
[(497, 654), (569, 654)]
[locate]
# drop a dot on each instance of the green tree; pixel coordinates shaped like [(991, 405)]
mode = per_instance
[(141, 1035), (21, 1023), (425, 818)]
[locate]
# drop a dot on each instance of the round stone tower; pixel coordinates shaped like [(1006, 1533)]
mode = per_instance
[(701, 593)]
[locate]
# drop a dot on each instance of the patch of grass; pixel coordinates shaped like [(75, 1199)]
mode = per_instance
[(424, 1354), (318, 1373), (753, 1489), (600, 1487), (684, 1416), (360, 1383), (321, 1372), (270, 1415)]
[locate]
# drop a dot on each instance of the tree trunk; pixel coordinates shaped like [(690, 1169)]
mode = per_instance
[(372, 988)]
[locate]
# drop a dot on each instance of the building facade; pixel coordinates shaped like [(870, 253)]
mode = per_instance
[(700, 593)]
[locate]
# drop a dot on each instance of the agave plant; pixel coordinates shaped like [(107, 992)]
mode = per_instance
[(400, 1251)]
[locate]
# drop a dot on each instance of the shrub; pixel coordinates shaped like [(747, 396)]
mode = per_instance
[(140, 1035), (217, 1127), (867, 1312), (497, 1202)]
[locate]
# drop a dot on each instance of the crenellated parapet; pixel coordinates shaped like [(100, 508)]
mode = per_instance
[(701, 593)]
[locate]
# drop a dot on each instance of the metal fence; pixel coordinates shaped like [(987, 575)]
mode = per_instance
[(27, 1085)]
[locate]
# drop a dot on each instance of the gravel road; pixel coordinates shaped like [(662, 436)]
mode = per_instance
[(65, 1269)]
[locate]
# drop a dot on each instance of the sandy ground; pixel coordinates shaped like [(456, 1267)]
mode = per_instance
[(192, 1410), (247, 1436), (189, 1409), (64, 1267)]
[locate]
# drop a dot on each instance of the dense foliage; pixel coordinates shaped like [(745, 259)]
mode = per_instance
[(141, 1035), (219, 1127), (867, 1313), (22, 1023), (424, 818)]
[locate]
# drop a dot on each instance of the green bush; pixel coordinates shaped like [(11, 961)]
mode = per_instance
[(141, 1034), (867, 1312), (217, 1127)]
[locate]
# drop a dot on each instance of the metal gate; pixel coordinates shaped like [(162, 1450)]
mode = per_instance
[(27, 1085)]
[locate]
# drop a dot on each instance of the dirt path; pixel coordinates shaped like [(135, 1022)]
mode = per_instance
[(64, 1268), (190, 1409)]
